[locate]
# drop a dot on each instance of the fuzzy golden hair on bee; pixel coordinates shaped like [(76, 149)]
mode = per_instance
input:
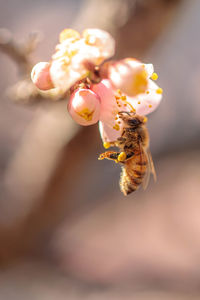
[(134, 154)]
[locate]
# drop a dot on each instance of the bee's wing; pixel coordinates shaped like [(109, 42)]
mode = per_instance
[(150, 169), (151, 164)]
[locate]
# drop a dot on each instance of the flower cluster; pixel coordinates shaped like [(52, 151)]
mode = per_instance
[(99, 89)]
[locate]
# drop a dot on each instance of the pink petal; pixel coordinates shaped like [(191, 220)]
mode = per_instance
[(110, 126), (108, 134), (109, 108)]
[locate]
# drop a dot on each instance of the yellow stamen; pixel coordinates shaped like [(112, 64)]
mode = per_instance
[(121, 156), (90, 39), (147, 92), (150, 105), (159, 91), (139, 102), (65, 63), (154, 76), (106, 145), (67, 34), (119, 92), (132, 108), (123, 98), (85, 114), (116, 127)]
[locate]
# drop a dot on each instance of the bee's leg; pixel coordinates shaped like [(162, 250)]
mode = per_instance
[(120, 141), (109, 144), (112, 155), (129, 155)]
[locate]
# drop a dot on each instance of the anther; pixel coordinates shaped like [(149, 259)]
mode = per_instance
[(106, 145), (123, 98), (159, 91), (121, 156), (116, 127), (154, 76)]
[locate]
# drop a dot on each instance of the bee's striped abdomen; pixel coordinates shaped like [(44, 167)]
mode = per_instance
[(133, 173)]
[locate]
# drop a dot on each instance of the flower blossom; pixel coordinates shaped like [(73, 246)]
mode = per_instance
[(99, 89), (113, 101), (74, 54)]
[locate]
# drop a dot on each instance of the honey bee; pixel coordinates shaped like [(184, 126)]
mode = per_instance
[(134, 153)]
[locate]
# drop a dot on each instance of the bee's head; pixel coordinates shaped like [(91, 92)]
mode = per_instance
[(132, 119)]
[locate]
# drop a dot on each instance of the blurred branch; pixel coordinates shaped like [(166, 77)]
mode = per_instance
[(28, 176), (16, 51), (24, 91)]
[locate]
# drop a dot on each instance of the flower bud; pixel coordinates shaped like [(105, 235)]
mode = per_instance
[(129, 75), (41, 77), (84, 107)]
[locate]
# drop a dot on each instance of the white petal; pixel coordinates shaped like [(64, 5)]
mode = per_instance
[(62, 74), (102, 40), (146, 103), (149, 69)]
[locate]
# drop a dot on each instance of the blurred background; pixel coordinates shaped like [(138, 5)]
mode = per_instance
[(66, 231)]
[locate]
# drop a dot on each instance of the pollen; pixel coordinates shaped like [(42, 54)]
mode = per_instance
[(154, 76), (123, 98), (147, 92), (90, 39), (65, 63), (121, 156), (139, 102), (106, 145), (130, 105), (140, 82), (86, 114), (116, 127), (145, 119), (69, 34), (150, 105), (159, 91), (119, 92)]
